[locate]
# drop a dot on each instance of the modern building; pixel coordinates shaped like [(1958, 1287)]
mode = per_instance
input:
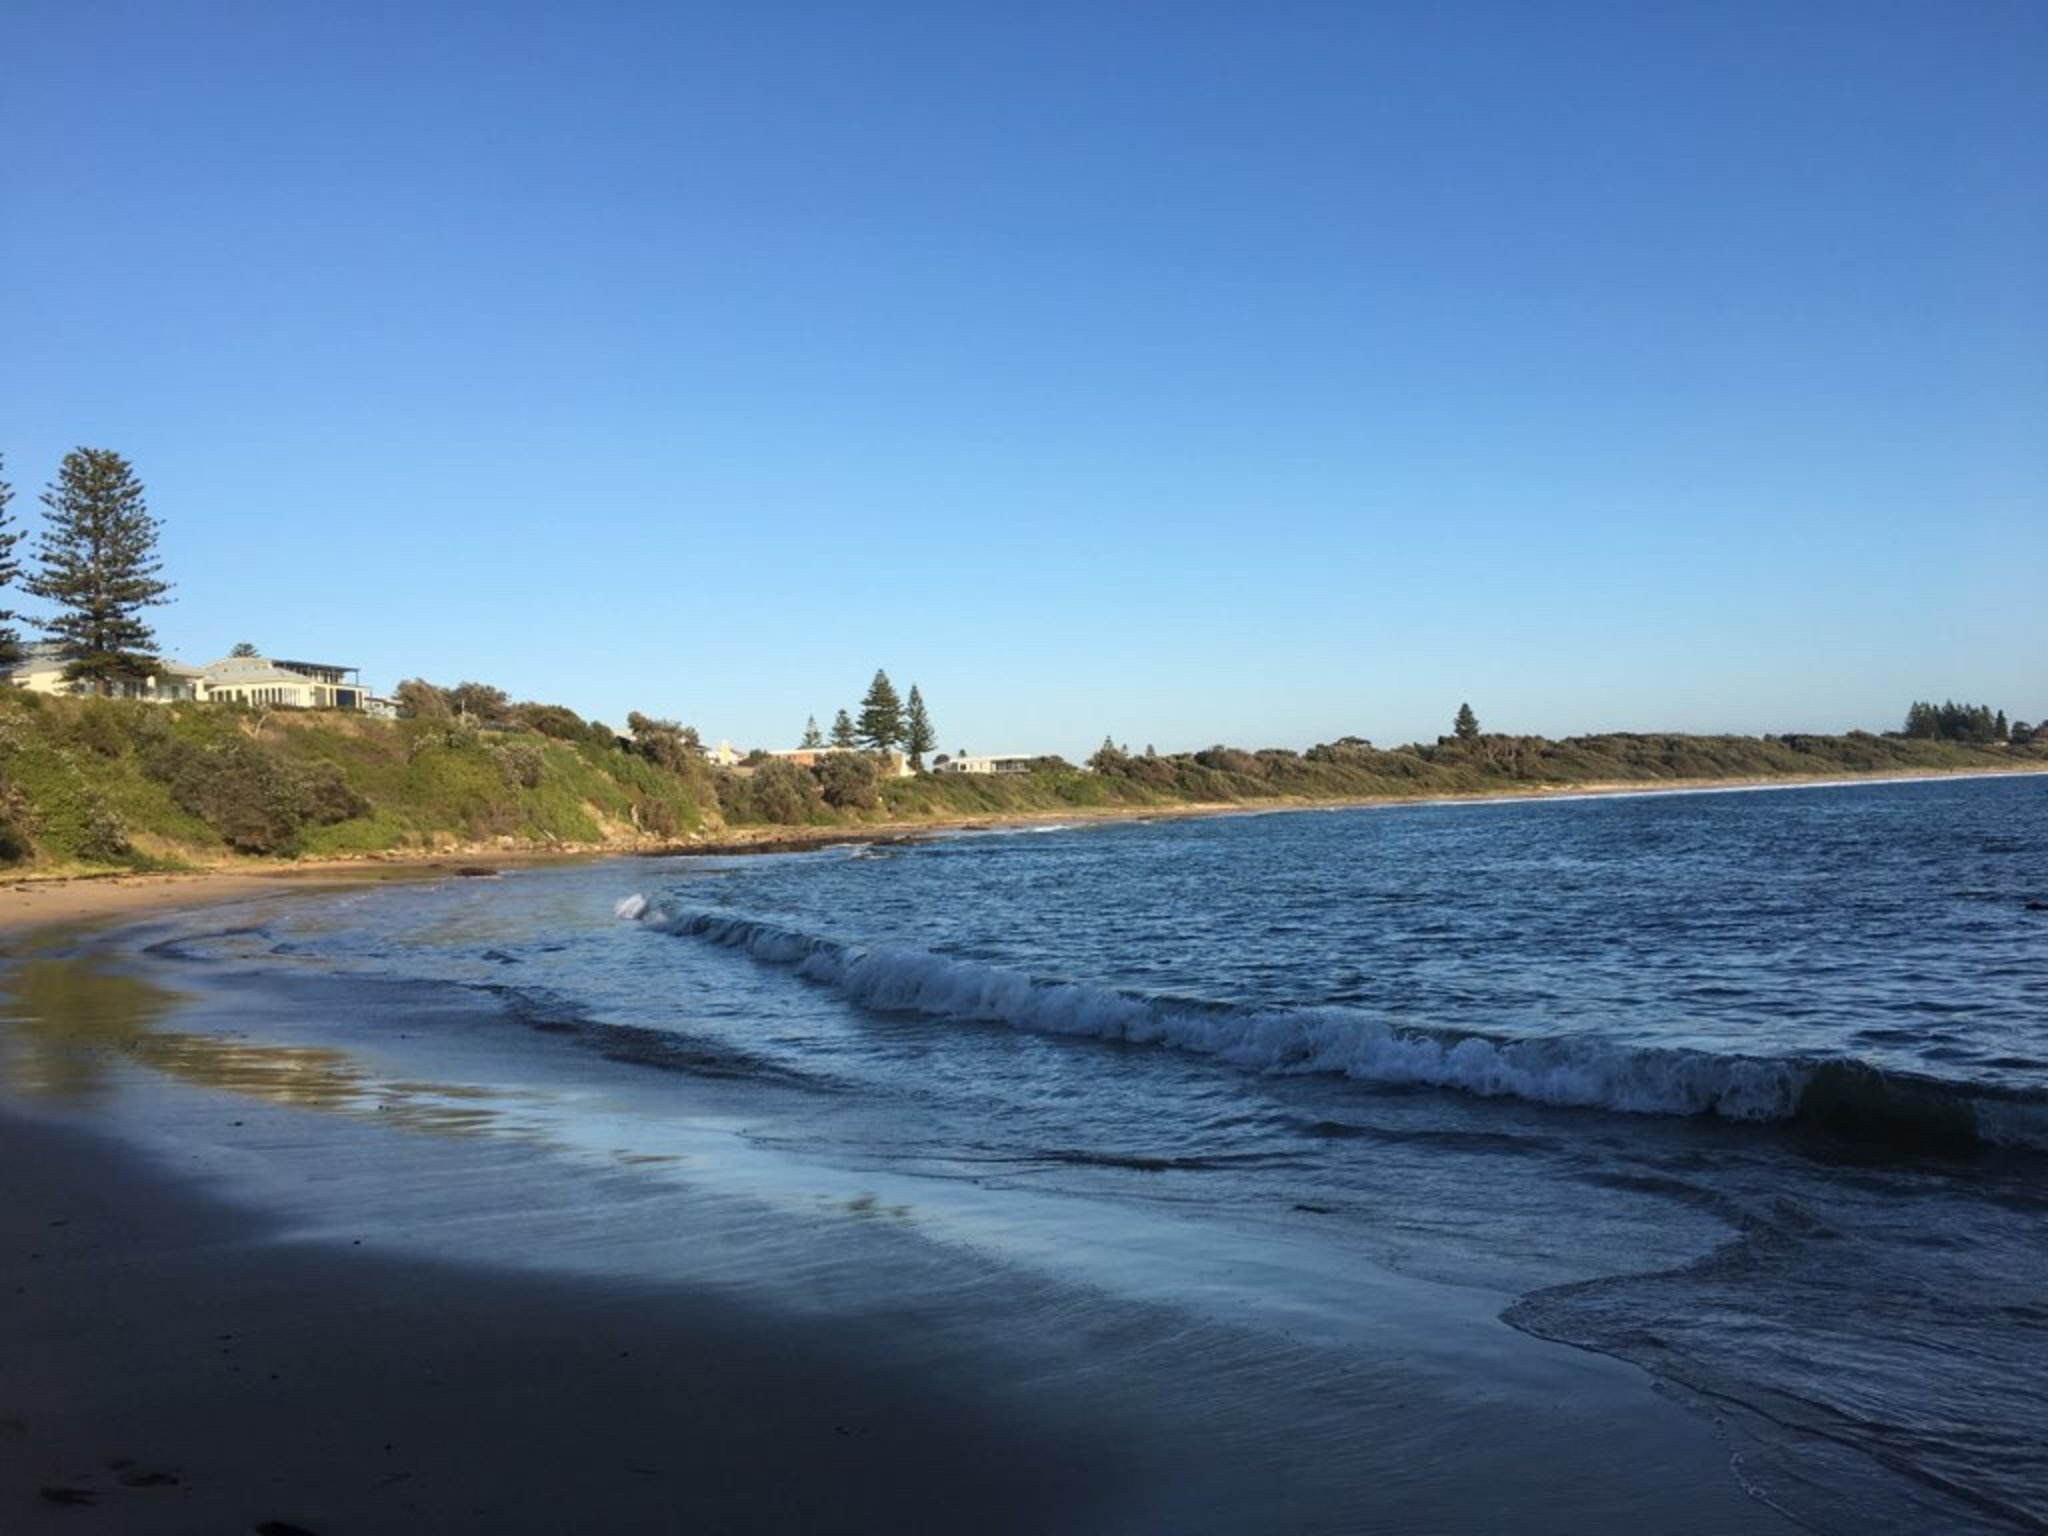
[(260, 681)]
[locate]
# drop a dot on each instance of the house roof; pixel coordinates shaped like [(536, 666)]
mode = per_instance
[(48, 656), (264, 668), (235, 671)]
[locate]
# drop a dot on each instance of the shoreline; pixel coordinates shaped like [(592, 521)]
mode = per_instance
[(801, 839), (31, 900), (185, 1354)]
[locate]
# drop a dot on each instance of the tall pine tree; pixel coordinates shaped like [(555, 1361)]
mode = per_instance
[(1467, 724), (10, 571), (843, 739), (881, 715), (99, 566), (813, 737), (918, 736)]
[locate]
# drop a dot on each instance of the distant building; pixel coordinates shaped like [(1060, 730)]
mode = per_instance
[(724, 755), (984, 763), (256, 680), (41, 670), (261, 681)]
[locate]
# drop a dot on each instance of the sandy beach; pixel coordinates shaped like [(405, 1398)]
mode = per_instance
[(168, 1370)]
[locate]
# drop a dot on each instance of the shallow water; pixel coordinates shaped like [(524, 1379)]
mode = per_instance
[(1745, 1088)]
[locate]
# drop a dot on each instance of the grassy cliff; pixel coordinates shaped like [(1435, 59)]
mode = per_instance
[(107, 782), (91, 783)]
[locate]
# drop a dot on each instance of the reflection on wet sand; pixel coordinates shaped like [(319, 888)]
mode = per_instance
[(72, 1024)]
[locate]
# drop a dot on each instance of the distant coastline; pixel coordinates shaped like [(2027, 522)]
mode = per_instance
[(787, 839), (33, 900), (114, 787)]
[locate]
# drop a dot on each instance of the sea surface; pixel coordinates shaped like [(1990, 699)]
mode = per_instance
[(1748, 1089)]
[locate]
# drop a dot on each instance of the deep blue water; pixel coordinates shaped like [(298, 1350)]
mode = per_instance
[(1749, 1088)]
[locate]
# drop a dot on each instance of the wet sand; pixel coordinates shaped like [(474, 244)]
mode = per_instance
[(29, 905), (171, 1361), (167, 1369)]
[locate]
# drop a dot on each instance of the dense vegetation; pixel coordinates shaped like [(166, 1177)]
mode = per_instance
[(1977, 723), (113, 783), (109, 781)]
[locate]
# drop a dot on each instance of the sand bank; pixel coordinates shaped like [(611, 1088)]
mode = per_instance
[(26, 904)]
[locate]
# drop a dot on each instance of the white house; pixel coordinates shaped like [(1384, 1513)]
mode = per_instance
[(984, 763), (41, 670), (284, 684)]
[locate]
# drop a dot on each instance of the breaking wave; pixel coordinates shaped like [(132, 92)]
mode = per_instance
[(1846, 1100)]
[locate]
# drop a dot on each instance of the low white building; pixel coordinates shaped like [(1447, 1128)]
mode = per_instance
[(260, 681), (990, 762), (41, 670)]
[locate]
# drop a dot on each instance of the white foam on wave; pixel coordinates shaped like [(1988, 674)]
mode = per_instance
[(1339, 1041), (631, 907)]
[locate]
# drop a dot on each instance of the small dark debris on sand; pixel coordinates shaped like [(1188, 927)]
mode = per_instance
[(139, 1479)]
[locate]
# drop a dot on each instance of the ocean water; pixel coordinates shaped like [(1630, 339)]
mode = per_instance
[(1749, 1089)]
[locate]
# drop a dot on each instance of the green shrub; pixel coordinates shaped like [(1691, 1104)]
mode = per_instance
[(780, 791), (326, 794), (520, 763), (551, 720), (15, 820), (657, 817), (97, 728), (101, 838), (849, 781), (256, 802)]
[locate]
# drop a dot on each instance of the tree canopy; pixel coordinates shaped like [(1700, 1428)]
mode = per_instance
[(843, 738), (419, 699), (918, 735), (1951, 721), (478, 701), (10, 572), (1466, 727), (667, 742), (881, 715), (98, 564)]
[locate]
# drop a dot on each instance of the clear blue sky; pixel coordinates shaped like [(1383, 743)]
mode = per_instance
[(1188, 372)]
